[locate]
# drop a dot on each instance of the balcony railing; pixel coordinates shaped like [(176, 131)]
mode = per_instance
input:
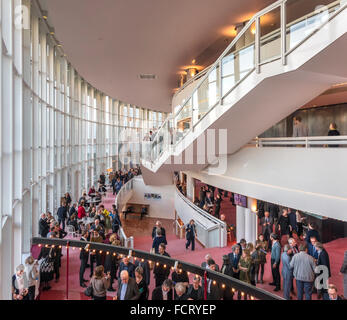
[(223, 280), (307, 142), (211, 231), (121, 199), (272, 34)]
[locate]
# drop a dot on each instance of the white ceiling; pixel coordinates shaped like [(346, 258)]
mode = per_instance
[(111, 42)]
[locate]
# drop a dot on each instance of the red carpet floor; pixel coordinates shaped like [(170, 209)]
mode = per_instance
[(176, 248)]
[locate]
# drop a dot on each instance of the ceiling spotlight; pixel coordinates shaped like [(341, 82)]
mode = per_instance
[(51, 30), (45, 14)]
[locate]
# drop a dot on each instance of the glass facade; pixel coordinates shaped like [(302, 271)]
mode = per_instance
[(58, 133)]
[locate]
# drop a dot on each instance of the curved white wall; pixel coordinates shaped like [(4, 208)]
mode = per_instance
[(312, 180)]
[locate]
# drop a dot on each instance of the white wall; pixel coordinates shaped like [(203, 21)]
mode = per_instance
[(164, 208), (312, 180)]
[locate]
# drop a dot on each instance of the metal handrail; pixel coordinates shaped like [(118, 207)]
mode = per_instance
[(306, 141), (284, 52), (202, 212), (121, 230), (168, 261)]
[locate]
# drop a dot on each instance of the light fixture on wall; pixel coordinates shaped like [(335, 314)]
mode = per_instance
[(45, 14), (254, 207), (51, 30)]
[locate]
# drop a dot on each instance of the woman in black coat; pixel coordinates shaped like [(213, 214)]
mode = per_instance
[(111, 266), (218, 201), (283, 224), (227, 269), (141, 284)]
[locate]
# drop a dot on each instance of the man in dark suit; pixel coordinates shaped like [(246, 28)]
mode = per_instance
[(292, 222), (84, 256), (62, 214), (213, 290), (158, 240), (161, 272), (43, 226), (205, 266), (116, 222), (274, 211), (195, 291), (127, 289), (102, 178), (323, 260), (127, 266), (234, 258), (163, 292), (312, 232), (73, 210), (191, 234), (311, 248), (267, 223), (242, 244), (159, 227)]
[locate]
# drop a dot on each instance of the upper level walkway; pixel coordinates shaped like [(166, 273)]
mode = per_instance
[(265, 74)]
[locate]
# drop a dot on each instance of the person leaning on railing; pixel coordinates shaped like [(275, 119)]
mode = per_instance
[(161, 273), (141, 283), (333, 132)]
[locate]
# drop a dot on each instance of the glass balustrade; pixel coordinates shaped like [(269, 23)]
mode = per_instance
[(183, 121), (239, 61), (270, 35), (302, 19), (207, 94)]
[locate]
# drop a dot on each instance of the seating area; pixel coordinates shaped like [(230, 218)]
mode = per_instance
[(136, 209)]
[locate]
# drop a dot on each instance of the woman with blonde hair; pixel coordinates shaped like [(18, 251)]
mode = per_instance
[(255, 262), (244, 266), (32, 274), (100, 283)]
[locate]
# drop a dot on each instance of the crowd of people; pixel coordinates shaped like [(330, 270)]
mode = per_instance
[(284, 238), (88, 218), (299, 256)]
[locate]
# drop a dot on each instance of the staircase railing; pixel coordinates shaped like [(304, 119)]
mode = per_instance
[(127, 242), (270, 35)]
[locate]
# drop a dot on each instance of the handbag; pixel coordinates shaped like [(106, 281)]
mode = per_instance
[(89, 291)]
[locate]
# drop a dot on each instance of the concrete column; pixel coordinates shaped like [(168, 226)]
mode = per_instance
[(248, 225), (240, 223)]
